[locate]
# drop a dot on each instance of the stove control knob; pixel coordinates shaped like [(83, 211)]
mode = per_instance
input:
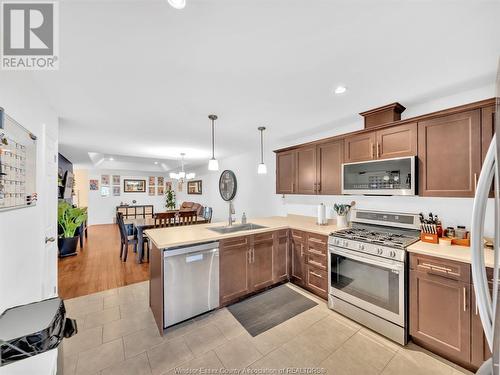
[(392, 254), (337, 241), (361, 247), (379, 251), (346, 243)]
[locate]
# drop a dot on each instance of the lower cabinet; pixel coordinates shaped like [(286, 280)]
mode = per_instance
[(317, 264), (298, 266), (443, 317), (261, 261)]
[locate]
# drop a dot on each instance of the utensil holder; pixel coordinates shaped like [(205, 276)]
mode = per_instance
[(341, 221)]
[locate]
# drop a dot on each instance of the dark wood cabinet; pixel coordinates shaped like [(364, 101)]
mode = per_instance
[(286, 172), (234, 270), (359, 147), (316, 279), (329, 167), (306, 170), (261, 261), (397, 141), (440, 315), (298, 264), (487, 128), (281, 256), (449, 151)]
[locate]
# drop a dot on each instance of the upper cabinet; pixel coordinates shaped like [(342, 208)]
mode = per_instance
[(450, 144), (393, 142), (397, 141), (329, 159), (359, 147), (285, 172), (449, 151)]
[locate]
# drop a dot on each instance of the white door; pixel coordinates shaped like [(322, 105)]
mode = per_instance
[(49, 201)]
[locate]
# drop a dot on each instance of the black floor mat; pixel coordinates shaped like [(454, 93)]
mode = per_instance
[(268, 309)]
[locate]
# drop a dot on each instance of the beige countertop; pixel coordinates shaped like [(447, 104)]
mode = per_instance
[(190, 234), (458, 253)]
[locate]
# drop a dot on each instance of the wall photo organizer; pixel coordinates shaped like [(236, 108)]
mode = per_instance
[(17, 165)]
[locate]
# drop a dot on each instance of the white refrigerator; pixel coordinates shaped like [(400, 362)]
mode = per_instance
[(488, 302)]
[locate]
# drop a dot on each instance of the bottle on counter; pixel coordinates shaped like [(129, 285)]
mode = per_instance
[(244, 218)]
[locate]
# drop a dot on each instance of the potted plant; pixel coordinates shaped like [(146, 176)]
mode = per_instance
[(69, 220), (341, 210), (170, 199)]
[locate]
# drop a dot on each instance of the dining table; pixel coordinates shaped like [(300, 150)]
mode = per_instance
[(141, 224)]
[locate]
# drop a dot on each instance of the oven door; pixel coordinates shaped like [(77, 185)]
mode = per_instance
[(371, 283)]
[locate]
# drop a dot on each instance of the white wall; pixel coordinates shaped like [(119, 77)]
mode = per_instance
[(22, 231), (256, 193), (102, 210)]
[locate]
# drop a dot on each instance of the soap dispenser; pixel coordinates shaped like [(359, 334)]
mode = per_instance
[(244, 218)]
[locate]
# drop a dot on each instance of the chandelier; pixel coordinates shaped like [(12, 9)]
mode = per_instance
[(182, 175)]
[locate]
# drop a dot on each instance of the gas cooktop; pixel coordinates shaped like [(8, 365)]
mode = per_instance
[(390, 237)]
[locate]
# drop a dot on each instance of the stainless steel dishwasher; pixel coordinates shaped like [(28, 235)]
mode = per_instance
[(191, 281)]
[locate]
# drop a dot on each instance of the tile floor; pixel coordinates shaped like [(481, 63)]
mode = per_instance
[(117, 335)]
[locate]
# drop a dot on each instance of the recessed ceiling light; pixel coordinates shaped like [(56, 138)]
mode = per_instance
[(177, 4), (340, 90), (156, 162), (111, 159)]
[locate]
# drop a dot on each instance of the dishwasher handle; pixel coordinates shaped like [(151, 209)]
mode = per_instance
[(195, 248)]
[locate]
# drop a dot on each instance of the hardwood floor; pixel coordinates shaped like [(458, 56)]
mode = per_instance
[(98, 266)]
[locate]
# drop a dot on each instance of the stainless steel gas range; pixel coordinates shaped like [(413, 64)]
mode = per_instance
[(368, 272)]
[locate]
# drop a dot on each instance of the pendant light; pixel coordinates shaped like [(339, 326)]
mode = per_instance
[(213, 164), (182, 175), (261, 169)]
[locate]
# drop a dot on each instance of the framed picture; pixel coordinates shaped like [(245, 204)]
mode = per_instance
[(116, 191), (134, 186), (94, 184), (152, 190), (161, 181), (104, 191), (152, 181), (194, 187), (105, 179), (116, 180), (160, 190), (168, 185)]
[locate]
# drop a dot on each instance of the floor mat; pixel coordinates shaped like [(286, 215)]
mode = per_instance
[(268, 309)]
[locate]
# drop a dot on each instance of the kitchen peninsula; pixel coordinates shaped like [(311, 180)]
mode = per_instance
[(292, 247)]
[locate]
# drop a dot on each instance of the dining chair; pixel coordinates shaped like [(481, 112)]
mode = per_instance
[(126, 240), (187, 217), (165, 219)]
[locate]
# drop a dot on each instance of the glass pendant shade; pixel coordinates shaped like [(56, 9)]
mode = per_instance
[(262, 169), (182, 174), (213, 165), (189, 176)]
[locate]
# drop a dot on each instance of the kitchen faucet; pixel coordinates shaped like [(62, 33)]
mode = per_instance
[(231, 213)]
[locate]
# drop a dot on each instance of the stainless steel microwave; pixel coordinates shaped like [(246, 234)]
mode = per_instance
[(395, 176)]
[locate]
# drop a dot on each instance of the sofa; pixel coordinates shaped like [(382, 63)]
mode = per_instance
[(192, 206)]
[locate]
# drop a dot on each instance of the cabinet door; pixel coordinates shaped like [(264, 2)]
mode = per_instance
[(487, 128), (359, 147), (317, 281), (306, 170), (285, 172), (281, 256), (449, 151), (397, 141), (234, 275), (329, 158), (297, 258), (262, 261), (440, 315)]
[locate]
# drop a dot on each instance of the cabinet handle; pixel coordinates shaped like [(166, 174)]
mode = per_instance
[(301, 250), (378, 150), (253, 254), (316, 274), (312, 239), (465, 302), (373, 150), (317, 264), (432, 267), (249, 256), (318, 187), (475, 182), (316, 252)]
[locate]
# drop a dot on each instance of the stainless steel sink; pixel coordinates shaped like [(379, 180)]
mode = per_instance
[(236, 228)]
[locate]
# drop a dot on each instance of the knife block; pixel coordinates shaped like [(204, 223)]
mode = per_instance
[(429, 237)]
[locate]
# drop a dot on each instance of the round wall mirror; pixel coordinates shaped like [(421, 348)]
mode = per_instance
[(227, 185)]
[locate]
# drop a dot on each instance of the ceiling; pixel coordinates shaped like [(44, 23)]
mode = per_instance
[(138, 79)]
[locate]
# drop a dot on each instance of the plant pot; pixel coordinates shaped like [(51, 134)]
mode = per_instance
[(67, 246), (341, 221)]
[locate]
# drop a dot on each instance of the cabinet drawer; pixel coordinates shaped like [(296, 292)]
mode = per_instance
[(440, 267), (233, 242), (297, 235), (318, 239), (282, 233), (317, 281), (262, 237), (317, 260)]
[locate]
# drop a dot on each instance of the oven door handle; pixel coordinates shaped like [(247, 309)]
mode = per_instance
[(393, 265)]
